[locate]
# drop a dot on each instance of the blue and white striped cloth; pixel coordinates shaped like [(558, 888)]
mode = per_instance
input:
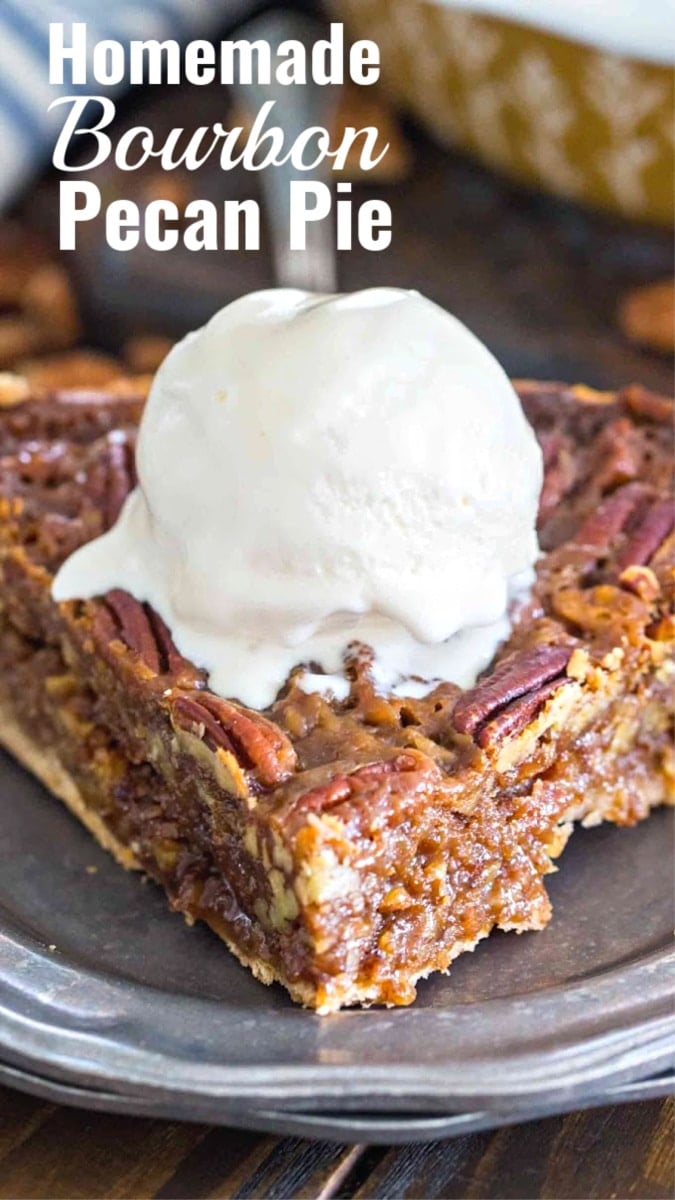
[(27, 129)]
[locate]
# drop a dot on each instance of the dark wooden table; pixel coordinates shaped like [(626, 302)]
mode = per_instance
[(49, 1152), (539, 282)]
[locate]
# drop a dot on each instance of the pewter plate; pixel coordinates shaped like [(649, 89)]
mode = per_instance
[(104, 993), (378, 1128)]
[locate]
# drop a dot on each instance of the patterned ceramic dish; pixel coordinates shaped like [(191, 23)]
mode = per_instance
[(574, 98)]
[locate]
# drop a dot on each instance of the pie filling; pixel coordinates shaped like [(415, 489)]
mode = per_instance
[(349, 848)]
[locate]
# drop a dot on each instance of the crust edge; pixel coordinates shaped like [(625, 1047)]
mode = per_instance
[(45, 765)]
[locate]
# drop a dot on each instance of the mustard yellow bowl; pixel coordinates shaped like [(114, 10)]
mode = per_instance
[(570, 117)]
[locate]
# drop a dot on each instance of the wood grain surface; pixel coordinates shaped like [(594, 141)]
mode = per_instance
[(52, 1153)]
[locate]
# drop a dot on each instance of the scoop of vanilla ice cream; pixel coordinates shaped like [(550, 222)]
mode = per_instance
[(315, 470)]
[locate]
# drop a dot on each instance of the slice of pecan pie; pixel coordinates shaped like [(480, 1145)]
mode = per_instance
[(349, 849)]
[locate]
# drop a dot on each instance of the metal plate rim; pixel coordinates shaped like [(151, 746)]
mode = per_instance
[(382, 1129), (105, 1043)]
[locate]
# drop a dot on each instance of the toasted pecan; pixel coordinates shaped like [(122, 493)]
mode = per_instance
[(258, 744), (610, 517), (516, 716), (189, 713), (560, 473), (645, 539), (120, 478), (119, 616), (365, 779), (134, 627), (621, 447), (173, 662), (520, 673), (111, 476)]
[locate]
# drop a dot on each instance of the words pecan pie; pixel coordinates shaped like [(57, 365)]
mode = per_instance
[(348, 849)]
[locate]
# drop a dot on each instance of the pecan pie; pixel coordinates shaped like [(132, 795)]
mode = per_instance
[(348, 849)]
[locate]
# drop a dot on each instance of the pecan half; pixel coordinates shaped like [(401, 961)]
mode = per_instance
[(142, 630), (611, 516), (517, 715), (190, 713), (515, 676), (258, 744), (620, 445), (112, 476), (645, 539), (105, 627), (133, 627), (560, 473), (365, 779), (121, 477), (172, 661)]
